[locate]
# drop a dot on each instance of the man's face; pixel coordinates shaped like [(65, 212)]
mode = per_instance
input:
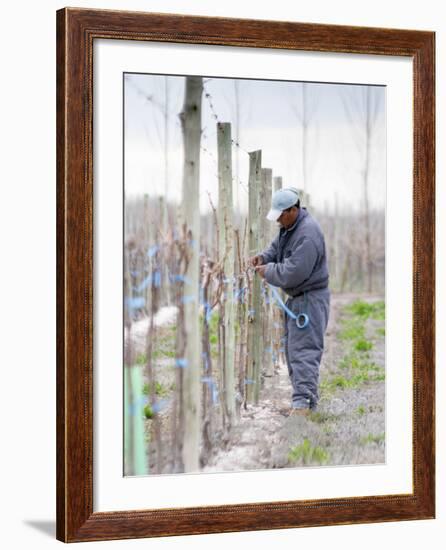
[(288, 217)]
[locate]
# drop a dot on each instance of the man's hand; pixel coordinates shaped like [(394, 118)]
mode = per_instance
[(260, 269), (256, 260)]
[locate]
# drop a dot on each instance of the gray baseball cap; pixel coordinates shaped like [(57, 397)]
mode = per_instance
[(282, 199)]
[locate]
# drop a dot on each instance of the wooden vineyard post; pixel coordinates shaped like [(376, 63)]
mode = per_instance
[(241, 317), (277, 316), (226, 250), (191, 362), (254, 313), (305, 199), (265, 236), (277, 183)]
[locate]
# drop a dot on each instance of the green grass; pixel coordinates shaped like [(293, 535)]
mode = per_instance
[(340, 381), (307, 454), (352, 329), (358, 370), (213, 327), (361, 410), (365, 310), (164, 346), (156, 354), (141, 359), (160, 389), (363, 345), (160, 353), (321, 417), (148, 412), (373, 438), (356, 364)]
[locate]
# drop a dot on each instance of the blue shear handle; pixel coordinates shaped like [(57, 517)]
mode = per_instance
[(302, 320)]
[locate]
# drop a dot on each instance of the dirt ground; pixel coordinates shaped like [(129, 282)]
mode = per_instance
[(348, 426)]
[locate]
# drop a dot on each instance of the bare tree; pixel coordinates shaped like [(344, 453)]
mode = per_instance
[(362, 106), (305, 112)]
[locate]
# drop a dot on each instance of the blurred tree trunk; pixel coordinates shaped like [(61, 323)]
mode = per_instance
[(237, 141), (361, 107), (165, 222), (368, 138), (226, 257), (305, 125), (191, 127)]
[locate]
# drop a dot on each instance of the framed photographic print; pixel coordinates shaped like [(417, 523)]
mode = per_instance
[(245, 275)]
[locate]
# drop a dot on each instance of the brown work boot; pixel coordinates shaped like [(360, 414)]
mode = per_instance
[(300, 412), (285, 411)]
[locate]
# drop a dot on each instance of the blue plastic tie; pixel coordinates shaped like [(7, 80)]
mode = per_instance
[(153, 250), (160, 405), (208, 311), (134, 407), (214, 393), (144, 284), (206, 360), (157, 278), (135, 303), (240, 294), (179, 278), (212, 386)]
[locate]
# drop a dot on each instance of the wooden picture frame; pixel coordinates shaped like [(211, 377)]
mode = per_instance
[(76, 31)]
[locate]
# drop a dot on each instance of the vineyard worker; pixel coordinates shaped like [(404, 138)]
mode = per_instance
[(296, 262)]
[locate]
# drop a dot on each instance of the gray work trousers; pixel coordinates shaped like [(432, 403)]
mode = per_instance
[(304, 346)]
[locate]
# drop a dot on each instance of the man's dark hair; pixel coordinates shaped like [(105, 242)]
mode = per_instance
[(297, 205)]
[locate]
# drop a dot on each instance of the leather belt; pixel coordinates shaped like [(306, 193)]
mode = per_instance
[(296, 295)]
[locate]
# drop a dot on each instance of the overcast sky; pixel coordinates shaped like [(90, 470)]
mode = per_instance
[(270, 114)]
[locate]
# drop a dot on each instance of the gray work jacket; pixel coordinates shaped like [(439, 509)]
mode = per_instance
[(296, 259)]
